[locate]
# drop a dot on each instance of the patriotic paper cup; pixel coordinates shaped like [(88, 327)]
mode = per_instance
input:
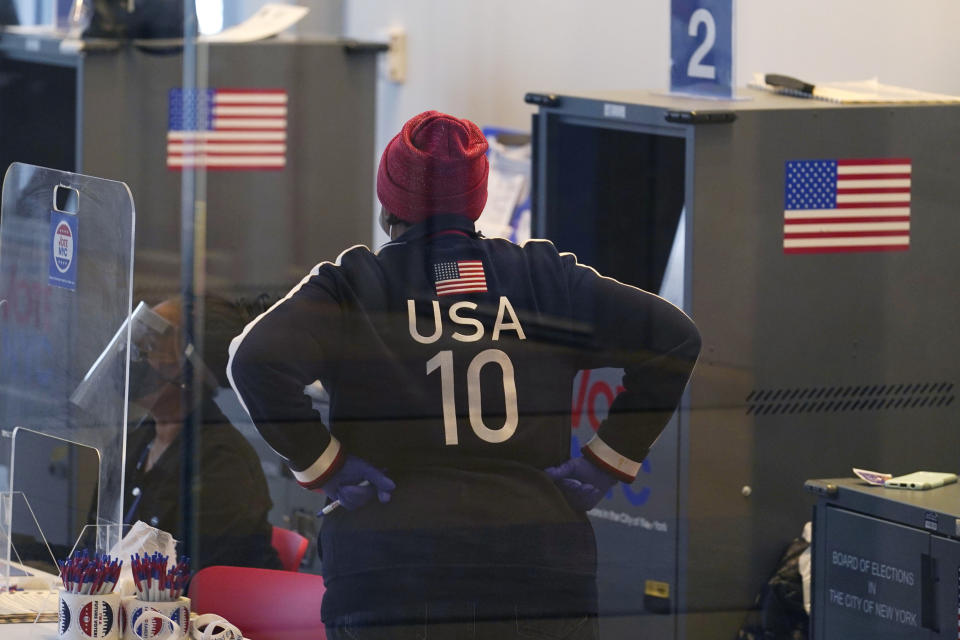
[(84, 617), (143, 620)]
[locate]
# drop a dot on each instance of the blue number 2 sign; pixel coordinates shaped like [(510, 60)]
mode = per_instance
[(701, 47)]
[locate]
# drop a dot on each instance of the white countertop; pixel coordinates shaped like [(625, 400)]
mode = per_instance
[(20, 631)]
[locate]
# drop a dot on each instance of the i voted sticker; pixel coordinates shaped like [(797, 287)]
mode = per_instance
[(149, 627), (88, 617), (63, 250), (64, 617), (96, 619)]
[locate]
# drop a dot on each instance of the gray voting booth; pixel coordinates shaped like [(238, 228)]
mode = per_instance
[(818, 355), (107, 110), (886, 561)]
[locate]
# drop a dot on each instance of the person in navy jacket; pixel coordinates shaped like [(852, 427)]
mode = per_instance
[(449, 360)]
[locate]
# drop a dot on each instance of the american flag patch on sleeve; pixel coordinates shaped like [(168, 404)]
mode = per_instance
[(462, 276)]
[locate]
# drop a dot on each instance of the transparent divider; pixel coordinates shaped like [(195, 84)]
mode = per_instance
[(66, 268), (27, 587), (38, 558)]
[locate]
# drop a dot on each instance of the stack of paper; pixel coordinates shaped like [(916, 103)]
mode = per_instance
[(28, 606), (857, 92)]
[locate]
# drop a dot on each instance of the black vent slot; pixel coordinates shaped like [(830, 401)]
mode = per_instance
[(870, 397)]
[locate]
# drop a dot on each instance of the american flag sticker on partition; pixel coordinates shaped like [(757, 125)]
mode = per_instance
[(847, 205), (228, 129), (462, 276)]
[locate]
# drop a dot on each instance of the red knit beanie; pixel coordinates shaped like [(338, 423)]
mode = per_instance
[(436, 164)]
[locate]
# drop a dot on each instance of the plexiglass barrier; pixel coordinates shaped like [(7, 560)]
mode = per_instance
[(66, 266), (28, 545), (27, 588)]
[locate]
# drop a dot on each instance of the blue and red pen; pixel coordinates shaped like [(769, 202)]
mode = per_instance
[(154, 582), (90, 575)]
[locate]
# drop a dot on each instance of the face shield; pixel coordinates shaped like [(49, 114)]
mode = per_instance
[(148, 332)]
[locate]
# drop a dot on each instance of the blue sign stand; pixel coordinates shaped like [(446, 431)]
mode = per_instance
[(701, 47)]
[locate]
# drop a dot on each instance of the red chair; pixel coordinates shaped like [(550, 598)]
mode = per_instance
[(265, 604), (290, 546)]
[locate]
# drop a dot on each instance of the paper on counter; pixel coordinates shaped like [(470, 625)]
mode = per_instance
[(859, 92), (872, 477), (270, 20), (503, 195)]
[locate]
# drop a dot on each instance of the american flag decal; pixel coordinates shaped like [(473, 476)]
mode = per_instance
[(229, 129), (462, 276), (847, 205)]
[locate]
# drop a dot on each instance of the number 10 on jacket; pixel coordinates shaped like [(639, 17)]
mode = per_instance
[(701, 47)]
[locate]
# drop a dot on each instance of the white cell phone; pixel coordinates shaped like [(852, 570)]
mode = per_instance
[(921, 480)]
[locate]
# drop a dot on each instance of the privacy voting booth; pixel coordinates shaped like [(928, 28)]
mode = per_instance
[(277, 199), (827, 314)]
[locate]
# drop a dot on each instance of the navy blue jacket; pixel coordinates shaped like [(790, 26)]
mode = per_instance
[(449, 359)]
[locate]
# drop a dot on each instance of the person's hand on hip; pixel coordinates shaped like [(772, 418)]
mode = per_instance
[(357, 482), (583, 483)]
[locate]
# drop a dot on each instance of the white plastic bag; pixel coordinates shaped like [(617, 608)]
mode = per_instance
[(142, 539)]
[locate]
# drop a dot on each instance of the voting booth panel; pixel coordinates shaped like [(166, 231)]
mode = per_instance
[(283, 127), (824, 347)]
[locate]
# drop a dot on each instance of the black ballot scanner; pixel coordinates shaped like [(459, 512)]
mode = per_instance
[(886, 562)]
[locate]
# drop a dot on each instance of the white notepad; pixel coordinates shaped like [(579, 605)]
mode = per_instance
[(859, 92)]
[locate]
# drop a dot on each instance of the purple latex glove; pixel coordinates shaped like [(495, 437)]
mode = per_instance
[(583, 483), (345, 485)]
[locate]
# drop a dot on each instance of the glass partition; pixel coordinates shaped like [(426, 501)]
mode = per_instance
[(61, 479), (66, 264), (28, 566)]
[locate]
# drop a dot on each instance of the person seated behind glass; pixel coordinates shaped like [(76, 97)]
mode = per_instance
[(233, 496)]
